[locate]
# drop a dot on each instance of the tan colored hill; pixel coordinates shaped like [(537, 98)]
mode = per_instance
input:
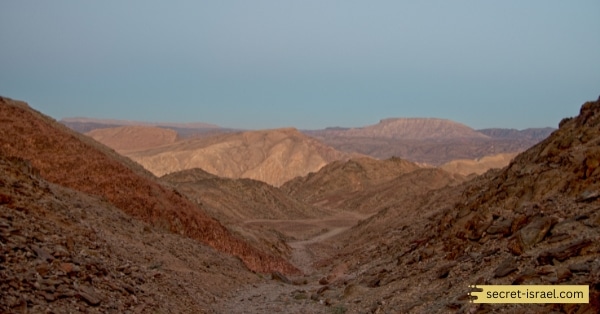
[(67, 158), (64, 251), (478, 166), (271, 156), (326, 187), (533, 222), (133, 138), (234, 202)]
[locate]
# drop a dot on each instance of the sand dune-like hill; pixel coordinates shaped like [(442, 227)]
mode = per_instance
[(133, 138), (478, 166), (68, 252), (75, 161), (532, 222), (271, 156)]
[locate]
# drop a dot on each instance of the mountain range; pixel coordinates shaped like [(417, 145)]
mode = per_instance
[(276, 156)]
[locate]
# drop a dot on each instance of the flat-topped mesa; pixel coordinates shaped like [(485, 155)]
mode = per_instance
[(415, 128)]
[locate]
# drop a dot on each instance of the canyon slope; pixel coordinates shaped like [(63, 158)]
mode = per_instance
[(65, 251), (532, 222), (67, 158), (236, 202)]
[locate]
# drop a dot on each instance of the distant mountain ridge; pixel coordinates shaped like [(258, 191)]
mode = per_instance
[(431, 141), (537, 134), (188, 125), (272, 156)]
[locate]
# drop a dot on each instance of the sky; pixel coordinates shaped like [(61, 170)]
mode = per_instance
[(308, 64)]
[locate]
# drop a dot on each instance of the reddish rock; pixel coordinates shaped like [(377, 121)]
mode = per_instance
[(506, 267), (564, 252), (89, 295), (534, 232)]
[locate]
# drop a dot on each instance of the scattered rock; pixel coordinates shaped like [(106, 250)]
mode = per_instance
[(506, 267), (444, 271), (563, 253), (41, 253), (535, 232), (580, 268), (502, 227), (323, 281), (89, 295), (280, 277)]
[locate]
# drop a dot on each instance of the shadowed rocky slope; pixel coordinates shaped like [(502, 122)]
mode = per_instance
[(533, 222), (234, 202), (69, 159)]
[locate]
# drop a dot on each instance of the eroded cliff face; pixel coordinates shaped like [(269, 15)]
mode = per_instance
[(75, 161)]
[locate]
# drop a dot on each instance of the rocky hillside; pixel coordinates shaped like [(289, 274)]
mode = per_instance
[(133, 138), (63, 251), (271, 156), (235, 202), (75, 161), (533, 222), (328, 185)]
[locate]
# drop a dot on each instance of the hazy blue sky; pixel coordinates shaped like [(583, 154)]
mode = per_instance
[(310, 64)]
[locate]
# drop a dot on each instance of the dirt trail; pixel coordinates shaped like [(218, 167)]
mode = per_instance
[(270, 296), (303, 257)]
